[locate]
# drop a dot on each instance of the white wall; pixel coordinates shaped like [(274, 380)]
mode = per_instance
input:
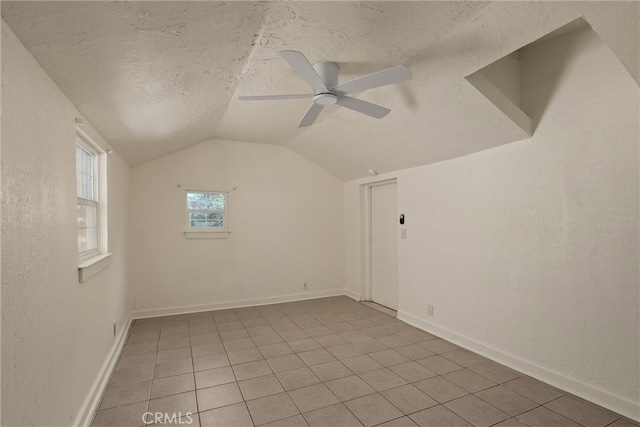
[(286, 229), (529, 251), (56, 332)]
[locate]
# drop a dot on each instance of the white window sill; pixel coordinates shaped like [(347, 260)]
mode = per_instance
[(206, 234), (92, 266)]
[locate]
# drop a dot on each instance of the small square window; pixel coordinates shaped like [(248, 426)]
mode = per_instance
[(207, 211)]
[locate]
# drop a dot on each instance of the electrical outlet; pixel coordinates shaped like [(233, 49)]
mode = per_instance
[(304, 286), (429, 310), (114, 329)]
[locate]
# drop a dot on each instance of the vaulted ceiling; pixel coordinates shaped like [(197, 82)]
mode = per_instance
[(156, 77)]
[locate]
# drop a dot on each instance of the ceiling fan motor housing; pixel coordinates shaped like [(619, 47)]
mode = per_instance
[(328, 72)]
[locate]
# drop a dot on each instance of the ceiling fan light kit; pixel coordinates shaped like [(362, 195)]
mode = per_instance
[(322, 78)]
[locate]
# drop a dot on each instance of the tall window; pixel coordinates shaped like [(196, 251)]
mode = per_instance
[(207, 211), (88, 206)]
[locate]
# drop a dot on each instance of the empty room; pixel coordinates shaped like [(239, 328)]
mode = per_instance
[(320, 214)]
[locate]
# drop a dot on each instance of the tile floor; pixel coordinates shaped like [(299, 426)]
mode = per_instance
[(325, 362)]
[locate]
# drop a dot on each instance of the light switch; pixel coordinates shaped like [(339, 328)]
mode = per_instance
[(403, 233)]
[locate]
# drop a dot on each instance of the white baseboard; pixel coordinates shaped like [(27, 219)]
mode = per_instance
[(600, 397), (169, 311), (85, 416), (351, 294)]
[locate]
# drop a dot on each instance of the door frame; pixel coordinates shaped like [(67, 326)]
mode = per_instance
[(368, 234)]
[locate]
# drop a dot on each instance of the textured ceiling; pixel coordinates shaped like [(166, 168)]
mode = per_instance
[(156, 77)]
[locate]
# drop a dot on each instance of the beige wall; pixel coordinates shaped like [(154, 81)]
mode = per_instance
[(286, 229), (56, 332), (529, 252)]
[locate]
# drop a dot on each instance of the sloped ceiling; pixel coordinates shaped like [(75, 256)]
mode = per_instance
[(156, 77)]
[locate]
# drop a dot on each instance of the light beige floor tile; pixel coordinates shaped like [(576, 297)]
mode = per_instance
[(295, 421), (319, 331), (255, 388), (210, 361), (213, 377), (178, 403), (285, 363), (239, 344), (412, 372), (439, 346), (245, 371), (332, 340), (355, 336), (315, 357), (235, 415), (382, 379), (581, 411), (371, 346), (360, 364), (172, 343), (363, 323), (464, 358), (175, 367), (128, 415), (259, 331), (206, 349), (469, 380), (543, 417), (137, 360), (511, 422), (244, 355), (394, 341), (271, 408), (622, 422), (304, 345), (275, 350), (476, 411), (254, 322), (331, 371), (339, 328), (312, 397), (297, 378), (373, 409), (399, 422), (234, 334), (408, 399), (174, 354), (218, 396), (506, 400), (495, 372), (417, 335), (205, 339), (533, 389), (345, 351), (336, 415), (125, 394), (146, 337), (294, 335), (440, 389), (438, 416), (414, 352), (145, 347), (439, 365), (349, 387), (122, 376), (377, 331), (172, 385), (267, 339), (389, 357)]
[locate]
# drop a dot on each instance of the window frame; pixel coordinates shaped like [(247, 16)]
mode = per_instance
[(225, 213), (83, 141)]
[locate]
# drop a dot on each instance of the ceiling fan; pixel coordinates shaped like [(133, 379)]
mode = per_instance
[(323, 80)]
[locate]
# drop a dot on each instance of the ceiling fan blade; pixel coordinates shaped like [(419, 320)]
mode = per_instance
[(363, 107), (275, 97), (381, 78), (312, 114), (301, 65)]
